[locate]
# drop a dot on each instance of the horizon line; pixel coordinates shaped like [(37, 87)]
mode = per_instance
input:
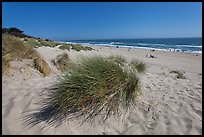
[(130, 38)]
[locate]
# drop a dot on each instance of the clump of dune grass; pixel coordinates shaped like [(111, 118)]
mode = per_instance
[(79, 47), (33, 42), (139, 66), (65, 46), (96, 85), (76, 47), (14, 49), (5, 66), (41, 65), (48, 43), (62, 61), (118, 59), (179, 74), (88, 48)]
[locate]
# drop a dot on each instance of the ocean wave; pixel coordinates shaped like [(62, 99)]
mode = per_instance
[(200, 52), (143, 44), (175, 49), (77, 43), (103, 44), (116, 43), (189, 46), (70, 43), (159, 44), (150, 44)]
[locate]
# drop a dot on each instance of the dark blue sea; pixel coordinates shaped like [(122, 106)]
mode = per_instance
[(170, 44)]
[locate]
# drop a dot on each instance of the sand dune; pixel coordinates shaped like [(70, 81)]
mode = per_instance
[(167, 105)]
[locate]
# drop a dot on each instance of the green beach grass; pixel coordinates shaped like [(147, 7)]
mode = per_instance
[(93, 86), (15, 49), (62, 62), (76, 47)]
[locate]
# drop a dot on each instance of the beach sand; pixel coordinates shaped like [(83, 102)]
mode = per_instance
[(167, 105)]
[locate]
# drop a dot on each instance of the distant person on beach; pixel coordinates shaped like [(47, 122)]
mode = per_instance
[(150, 56), (129, 49)]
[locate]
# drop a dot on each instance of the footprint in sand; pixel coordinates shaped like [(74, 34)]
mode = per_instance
[(168, 124), (195, 99), (197, 111), (152, 120), (188, 123)]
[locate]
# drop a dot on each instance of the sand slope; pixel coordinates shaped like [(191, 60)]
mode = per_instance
[(167, 105)]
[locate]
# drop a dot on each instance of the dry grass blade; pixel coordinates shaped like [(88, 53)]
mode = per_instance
[(139, 66)]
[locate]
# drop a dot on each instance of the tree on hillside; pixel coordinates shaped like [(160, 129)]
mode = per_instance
[(5, 30), (16, 32)]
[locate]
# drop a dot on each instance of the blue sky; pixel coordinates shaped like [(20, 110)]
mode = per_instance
[(104, 20)]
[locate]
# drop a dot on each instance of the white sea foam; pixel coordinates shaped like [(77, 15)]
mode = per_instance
[(200, 52), (159, 44), (150, 44), (143, 44), (106, 45), (190, 46), (113, 43)]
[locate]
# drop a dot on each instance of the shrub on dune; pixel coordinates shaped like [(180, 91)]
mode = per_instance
[(93, 86)]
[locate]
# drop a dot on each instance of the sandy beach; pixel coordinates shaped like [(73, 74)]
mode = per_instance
[(166, 106)]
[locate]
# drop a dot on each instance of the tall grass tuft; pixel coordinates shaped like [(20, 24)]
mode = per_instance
[(86, 48), (140, 67), (118, 59), (62, 62), (5, 66), (14, 49), (48, 43), (33, 42), (96, 85), (77, 47), (65, 46), (41, 65)]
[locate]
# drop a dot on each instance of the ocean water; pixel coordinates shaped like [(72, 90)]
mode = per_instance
[(170, 44)]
